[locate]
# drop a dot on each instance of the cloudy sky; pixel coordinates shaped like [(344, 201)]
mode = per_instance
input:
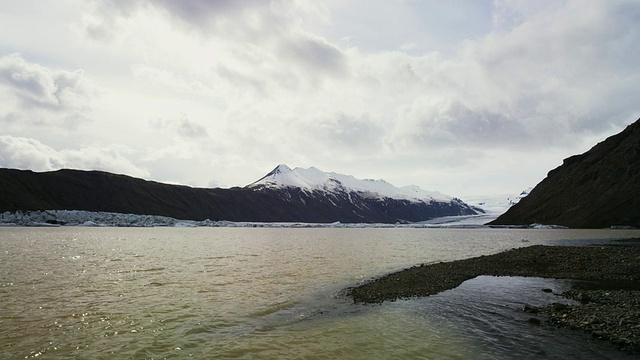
[(465, 97)]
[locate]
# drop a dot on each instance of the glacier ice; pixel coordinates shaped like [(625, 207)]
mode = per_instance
[(56, 218)]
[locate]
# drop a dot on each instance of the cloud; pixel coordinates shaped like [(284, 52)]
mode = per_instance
[(452, 124), (265, 82), (31, 154), (202, 13), (38, 86), (37, 95), (240, 79), (248, 43), (557, 72), (249, 20), (544, 64), (113, 158), (182, 126), (346, 132), (315, 55), (28, 154), (562, 61)]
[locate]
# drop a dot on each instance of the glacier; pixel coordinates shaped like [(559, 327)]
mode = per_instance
[(57, 218), (311, 179)]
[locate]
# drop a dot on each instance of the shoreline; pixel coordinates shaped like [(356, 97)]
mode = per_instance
[(610, 311)]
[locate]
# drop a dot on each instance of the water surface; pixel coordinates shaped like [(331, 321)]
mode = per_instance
[(260, 293)]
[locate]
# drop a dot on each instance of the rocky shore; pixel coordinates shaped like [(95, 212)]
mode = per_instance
[(612, 313)]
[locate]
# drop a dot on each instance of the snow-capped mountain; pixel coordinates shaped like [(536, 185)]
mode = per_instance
[(283, 195), (313, 179), (344, 198)]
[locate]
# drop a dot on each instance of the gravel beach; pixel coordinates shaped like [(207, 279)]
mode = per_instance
[(611, 312)]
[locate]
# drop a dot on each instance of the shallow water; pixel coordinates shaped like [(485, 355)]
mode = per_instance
[(267, 293)]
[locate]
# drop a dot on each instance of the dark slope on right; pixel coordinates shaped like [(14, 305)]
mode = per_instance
[(600, 188)]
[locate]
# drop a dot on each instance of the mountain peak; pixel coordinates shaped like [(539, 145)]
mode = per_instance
[(282, 168), (313, 179)]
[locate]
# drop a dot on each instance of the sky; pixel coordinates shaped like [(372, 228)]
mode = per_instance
[(466, 97)]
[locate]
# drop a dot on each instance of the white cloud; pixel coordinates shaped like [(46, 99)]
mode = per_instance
[(348, 133), (28, 154), (31, 154), (113, 158), (182, 126), (314, 55), (39, 96), (38, 86)]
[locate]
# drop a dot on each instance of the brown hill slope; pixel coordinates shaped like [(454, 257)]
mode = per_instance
[(600, 188)]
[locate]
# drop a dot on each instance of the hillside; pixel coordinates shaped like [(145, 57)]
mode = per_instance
[(597, 189), (101, 191)]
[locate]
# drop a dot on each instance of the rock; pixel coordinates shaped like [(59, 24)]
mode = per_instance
[(534, 321), (583, 298), (559, 307)]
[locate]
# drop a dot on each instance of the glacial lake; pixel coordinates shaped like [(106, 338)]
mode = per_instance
[(270, 293)]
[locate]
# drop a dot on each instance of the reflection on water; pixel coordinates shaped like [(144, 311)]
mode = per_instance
[(264, 293)]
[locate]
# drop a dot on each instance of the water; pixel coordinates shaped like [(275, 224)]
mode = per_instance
[(257, 293)]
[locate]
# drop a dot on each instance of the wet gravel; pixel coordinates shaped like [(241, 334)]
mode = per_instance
[(612, 314)]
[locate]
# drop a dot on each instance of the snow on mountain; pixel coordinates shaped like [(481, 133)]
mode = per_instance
[(496, 204), (313, 179), (493, 206), (522, 195)]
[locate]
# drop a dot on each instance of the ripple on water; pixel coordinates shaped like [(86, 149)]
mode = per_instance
[(158, 269), (144, 294), (273, 308)]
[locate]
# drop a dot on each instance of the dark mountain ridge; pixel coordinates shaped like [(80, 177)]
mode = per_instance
[(597, 189), (101, 191)]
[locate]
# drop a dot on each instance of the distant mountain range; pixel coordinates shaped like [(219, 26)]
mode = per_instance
[(283, 195), (597, 189)]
